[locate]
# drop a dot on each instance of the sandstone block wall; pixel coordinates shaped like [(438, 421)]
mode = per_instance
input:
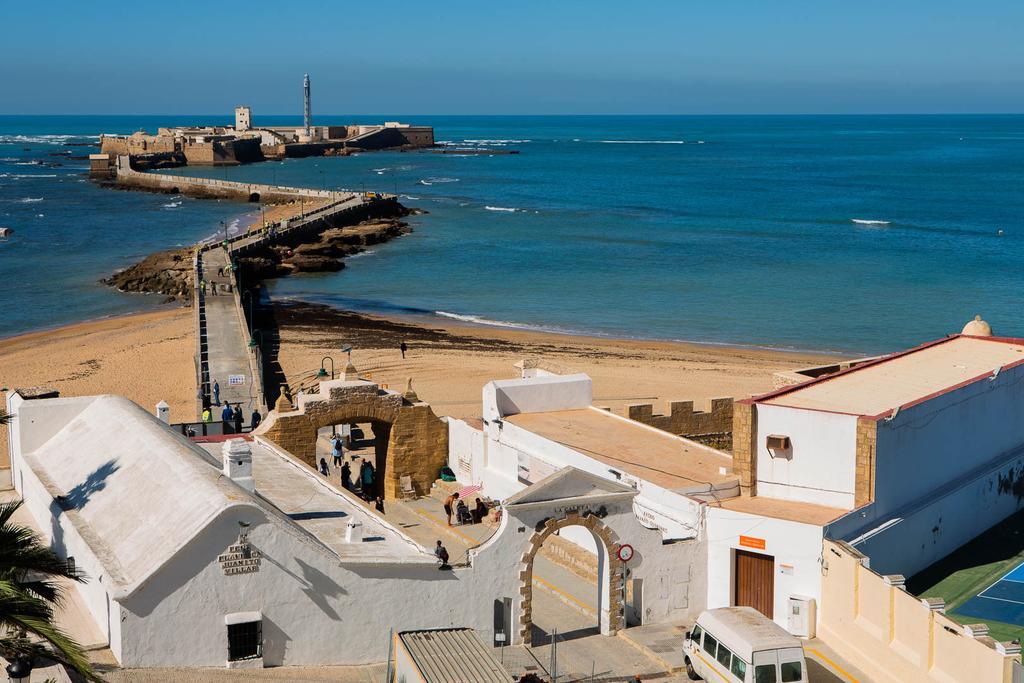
[(744, 448), (417, 440), (864, 480), (683, 420)]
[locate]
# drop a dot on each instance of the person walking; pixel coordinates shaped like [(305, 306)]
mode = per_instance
[(324, 470), (338, 449), (442, 556), (449, 506), (346, 476), (226, 416), (403, 348), (379, 505), (368, 481), (238, 418), (216, 393), (256, 419), (202, 287)]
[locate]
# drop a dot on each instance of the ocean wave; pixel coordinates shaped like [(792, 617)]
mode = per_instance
[(171, 205), (43, 139), (410, 197), (368, 252), (502, 208), (496, 142), (477, 320), (17, 176), (645, 142), (865, 221), (30, 200), (436, 181)]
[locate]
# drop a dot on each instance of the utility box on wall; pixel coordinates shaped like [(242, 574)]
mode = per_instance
[(802, 616)]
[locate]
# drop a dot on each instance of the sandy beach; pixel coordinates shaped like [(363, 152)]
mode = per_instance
[(450, 363), (148, 357)]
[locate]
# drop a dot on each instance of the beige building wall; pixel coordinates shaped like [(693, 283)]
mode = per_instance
[(744, 450), (895, 637)]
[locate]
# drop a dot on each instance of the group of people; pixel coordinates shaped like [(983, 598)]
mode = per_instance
[(454, 505), (366, 477), (232, 418)]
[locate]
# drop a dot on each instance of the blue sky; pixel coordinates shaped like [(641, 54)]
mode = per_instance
[(523, 57)]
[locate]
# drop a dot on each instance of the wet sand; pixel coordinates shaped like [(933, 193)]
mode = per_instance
[(450, 363)]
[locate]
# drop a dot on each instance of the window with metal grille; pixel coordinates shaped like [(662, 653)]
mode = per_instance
[(245, 640)]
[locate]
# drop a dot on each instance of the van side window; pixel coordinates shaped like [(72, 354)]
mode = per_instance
[(724, 655), (696, 633), (764, 673), (739, 668), (710, 644), (791, 671)]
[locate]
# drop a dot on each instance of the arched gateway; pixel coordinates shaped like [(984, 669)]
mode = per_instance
[(411, 440)]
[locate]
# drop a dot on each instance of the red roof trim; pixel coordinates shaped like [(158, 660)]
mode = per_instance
[(786, 390)]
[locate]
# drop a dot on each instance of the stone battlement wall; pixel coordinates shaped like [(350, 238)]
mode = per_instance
[(683, 420)]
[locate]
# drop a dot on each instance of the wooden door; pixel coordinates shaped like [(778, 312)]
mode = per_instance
[(755, 582)]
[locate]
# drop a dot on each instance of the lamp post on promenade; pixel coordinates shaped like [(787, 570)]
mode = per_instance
[(322, 373)]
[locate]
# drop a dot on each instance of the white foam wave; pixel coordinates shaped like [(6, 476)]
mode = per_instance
[(43, 139), (643, 142), (496, 142), (864, 221), (172, 205), (435, 181), (30, 200), (368, 252), (410, 197), (17, 176), (477, 320), (501, 208)]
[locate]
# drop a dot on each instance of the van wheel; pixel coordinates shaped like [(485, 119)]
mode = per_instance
[(690, 671)]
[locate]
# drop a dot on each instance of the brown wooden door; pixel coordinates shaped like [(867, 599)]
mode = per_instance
[(755, 582)]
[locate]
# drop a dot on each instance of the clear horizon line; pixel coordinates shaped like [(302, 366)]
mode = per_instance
[(534, 115)]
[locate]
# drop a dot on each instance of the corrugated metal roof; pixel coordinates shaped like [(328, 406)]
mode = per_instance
[(453, 655)]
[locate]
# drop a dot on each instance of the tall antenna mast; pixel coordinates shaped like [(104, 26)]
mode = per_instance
[(307, 114)]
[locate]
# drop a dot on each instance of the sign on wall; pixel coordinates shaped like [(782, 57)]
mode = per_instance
[(241, 558), (751, 542), (236, 380)]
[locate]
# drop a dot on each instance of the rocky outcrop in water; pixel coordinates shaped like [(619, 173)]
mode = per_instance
[(170, 272), (165, 272)]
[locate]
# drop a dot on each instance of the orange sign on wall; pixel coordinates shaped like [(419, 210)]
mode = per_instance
[(751, 542)]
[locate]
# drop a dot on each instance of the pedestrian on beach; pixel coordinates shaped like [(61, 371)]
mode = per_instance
[(449, 505), (368, 480), (379, 505), (346, 476), (216, 393), (207, 415), (213, 288), (324, 470), (256, 419), (238, 418), (202, 287), (227, 416), (403, 348), (337, 450), (442, 556)]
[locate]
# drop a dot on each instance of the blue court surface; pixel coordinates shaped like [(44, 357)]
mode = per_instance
[(1002, 601)]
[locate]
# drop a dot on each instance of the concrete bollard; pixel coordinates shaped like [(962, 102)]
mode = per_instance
[(163, 411), (354, 532)]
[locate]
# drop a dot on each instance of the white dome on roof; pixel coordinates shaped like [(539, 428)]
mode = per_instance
[(977, 328)]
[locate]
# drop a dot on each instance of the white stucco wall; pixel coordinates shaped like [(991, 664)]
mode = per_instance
[(466, 451), (536, 395), (795, 546), (821, 465)]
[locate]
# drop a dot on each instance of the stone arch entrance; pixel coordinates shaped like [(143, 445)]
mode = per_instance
[(609, 571), (411, 440)]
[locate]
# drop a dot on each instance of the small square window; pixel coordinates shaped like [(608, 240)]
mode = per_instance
[(245, 640), (791, 671)]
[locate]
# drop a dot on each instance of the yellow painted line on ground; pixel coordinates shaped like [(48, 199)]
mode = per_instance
[(838, 669), (550, 586), (450, 529)]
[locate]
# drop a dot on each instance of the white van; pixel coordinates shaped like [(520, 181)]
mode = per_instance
[(739, 644)]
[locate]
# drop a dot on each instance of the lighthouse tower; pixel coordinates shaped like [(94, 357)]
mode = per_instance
[(307, 115)]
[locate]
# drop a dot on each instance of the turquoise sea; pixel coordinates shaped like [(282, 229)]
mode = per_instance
[(860, 233)]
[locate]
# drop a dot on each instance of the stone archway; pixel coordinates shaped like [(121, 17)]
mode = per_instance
[(610, 612), (417, 440)]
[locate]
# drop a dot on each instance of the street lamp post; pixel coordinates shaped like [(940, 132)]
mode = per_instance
[(323, 372)]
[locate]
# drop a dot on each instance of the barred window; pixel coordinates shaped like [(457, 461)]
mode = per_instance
[(245, 640)]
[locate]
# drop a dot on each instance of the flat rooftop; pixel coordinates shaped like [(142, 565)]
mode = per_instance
[(875, 388), (319, 507), (668, 461), (791, 510)]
